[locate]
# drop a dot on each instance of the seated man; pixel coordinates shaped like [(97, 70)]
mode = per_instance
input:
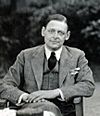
[(49, 76)]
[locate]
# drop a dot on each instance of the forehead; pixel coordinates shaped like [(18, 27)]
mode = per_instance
[(57, 25)]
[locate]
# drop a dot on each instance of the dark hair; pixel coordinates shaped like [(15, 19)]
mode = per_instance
[(58, 17)]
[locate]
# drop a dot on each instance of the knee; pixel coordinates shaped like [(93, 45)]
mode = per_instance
[(41, 107), (49, 106)]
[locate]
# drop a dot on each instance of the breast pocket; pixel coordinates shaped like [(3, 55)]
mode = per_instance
[(72, 75)]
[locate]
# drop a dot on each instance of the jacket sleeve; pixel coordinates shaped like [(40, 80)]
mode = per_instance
[(10, 86), (84, 85)]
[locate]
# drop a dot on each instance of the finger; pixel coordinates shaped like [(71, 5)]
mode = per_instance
[(39, 101), (32, 98), (42, 100), (29, 98), (25, 98), (38, 98), (34, 95)]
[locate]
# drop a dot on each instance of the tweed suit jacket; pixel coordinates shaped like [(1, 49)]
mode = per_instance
[(26, 74)]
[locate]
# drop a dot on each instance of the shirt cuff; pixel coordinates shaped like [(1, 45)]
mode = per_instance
[(61, 95)]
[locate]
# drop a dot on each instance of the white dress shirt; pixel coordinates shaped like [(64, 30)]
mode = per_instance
[(57, 53)]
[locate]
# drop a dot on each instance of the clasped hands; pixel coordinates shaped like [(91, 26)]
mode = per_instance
[(40, 96)]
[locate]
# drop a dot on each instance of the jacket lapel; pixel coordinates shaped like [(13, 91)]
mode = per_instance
[(37, 65), (65, 64)]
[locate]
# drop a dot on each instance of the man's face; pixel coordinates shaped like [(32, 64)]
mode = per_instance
[(55, 34)]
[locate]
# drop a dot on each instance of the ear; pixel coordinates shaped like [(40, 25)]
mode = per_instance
[(67, 35), (43, 31)]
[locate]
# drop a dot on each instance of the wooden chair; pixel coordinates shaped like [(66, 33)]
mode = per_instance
[(78, 101), (3, 103)]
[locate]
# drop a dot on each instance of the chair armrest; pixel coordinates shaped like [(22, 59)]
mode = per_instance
[(78, 101), (3, 103)]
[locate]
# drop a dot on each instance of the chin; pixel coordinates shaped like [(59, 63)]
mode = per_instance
[(55, 48)]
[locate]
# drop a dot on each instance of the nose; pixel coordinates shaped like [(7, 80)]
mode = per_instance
[(56, 34)]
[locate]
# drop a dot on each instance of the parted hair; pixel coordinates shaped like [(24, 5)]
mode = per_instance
[(57, 17)]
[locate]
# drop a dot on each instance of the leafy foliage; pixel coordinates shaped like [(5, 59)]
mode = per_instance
[(20, 27)]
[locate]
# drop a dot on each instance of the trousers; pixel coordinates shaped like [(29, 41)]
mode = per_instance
[(58, 107), (66, 108), (36, 109)]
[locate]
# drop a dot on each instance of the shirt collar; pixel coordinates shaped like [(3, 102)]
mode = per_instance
[(57, 53)]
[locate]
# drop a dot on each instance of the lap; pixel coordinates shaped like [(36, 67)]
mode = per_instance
[(38, 108), (55, 106)]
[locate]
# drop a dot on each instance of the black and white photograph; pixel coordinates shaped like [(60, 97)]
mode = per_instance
[(49, 57)]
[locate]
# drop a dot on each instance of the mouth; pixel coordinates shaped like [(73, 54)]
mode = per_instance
[(55, 41)]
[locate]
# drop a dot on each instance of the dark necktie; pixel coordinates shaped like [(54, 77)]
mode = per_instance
[(52, 61)]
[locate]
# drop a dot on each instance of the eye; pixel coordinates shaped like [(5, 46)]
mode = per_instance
[(51, 31), (61, 33)]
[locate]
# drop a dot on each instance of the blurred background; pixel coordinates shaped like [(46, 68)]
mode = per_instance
[(21, 22)]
